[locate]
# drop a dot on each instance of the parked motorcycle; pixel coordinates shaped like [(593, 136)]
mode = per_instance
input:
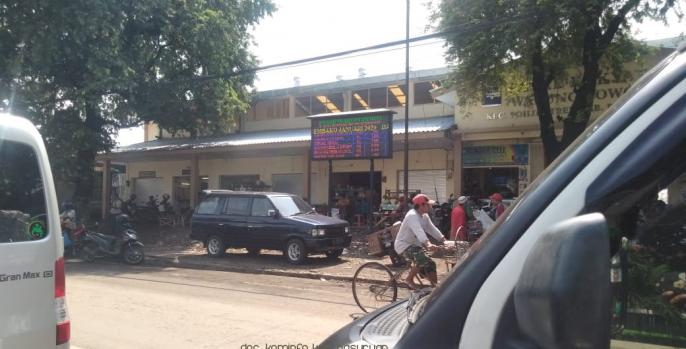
[(441, 215), (122, 242)]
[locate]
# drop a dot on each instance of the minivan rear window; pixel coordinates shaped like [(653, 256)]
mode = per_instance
[(22, 200), (209, 205)]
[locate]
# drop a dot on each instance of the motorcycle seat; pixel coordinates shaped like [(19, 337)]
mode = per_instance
[(105, 236)]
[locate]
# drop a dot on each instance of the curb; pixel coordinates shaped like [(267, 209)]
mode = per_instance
[(174, 262)]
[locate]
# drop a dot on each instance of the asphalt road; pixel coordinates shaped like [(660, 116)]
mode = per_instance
[(118, 306)]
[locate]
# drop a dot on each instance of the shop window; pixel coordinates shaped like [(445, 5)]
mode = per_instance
[(319, 104), (377, 97), (269, 109), (422, 92), (288, 183), (397, 95), (491, 98), (360, 100), (238, 182), (302, 106)]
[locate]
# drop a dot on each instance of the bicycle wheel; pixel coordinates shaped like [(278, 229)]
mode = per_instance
[(374, 286)]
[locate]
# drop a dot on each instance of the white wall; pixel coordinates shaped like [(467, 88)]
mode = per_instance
[(265, 167)]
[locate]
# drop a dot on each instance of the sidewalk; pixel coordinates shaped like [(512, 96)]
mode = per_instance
[(170, 247)]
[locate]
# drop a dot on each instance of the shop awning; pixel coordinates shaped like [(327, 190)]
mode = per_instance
[(435, 124)]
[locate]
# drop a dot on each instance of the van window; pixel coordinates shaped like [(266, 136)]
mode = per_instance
[(260, 207), (237, 205), (209, 205), (645, 207), (22, 200)]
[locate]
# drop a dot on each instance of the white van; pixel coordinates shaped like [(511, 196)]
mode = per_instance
[(542, 276), (33, 311)]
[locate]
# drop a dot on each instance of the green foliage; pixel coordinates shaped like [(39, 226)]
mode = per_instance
[(645, 272), (81, 69), (528, 40)]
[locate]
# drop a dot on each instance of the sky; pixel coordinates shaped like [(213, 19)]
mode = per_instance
[(307, 28)]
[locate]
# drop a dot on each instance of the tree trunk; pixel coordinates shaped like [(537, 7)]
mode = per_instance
[(85, 179), (582, 107), (540, 84)]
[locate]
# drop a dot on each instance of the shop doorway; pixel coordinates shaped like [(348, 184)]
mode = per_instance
[(181, 193), (483, 181), (355, 187)]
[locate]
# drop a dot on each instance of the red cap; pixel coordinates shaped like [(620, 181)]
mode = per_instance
[(497, 197), (421, 198)]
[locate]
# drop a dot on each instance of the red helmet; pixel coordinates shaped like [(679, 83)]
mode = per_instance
[(421, 198), (497, 197)]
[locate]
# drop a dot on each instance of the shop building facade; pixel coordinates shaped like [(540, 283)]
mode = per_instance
[(475, 149), (271, 150), (499, 136)]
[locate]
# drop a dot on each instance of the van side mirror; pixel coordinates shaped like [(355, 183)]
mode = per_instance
[(271, 213), (562, 298)]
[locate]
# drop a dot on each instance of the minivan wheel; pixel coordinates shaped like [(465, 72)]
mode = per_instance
[(333, 254), (295, 251), (215, 246)]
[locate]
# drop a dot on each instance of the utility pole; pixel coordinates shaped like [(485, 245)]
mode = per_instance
[(407, 104)]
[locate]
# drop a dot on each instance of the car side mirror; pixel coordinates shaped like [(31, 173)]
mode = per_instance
[(562, 298), (272, 213)]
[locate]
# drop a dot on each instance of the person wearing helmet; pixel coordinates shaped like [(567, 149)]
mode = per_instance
[(458, 220), (497, 207), (412, 241)]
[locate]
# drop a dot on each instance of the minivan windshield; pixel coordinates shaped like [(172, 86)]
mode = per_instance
[(493, 229), (291, 205), (590, 130)]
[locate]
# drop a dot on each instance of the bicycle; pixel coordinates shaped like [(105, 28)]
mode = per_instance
[(376, 285)]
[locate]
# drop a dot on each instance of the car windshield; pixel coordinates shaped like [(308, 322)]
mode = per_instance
[(291, 205)]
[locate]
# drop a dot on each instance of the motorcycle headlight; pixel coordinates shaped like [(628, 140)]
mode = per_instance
[(318, 232)]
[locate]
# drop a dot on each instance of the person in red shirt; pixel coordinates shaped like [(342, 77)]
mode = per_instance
[(458, 220), (497, 204)]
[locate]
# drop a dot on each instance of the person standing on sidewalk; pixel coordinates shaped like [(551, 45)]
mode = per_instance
[(412, 241), (458, 220)]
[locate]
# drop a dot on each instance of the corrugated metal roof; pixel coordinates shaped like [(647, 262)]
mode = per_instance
[(273, 137)]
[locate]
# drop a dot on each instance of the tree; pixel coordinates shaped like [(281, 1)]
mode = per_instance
[(81, 69), (537, 43)]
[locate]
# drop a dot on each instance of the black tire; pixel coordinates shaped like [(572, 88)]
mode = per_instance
[(374, 286), (215, 246), (88, 252), (295, 251), (133, 254), (254, 251), (333, 254)]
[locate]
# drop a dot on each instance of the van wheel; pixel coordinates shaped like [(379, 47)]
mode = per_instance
[(295, 251), (334, 253), (215, 246), (254, 251)]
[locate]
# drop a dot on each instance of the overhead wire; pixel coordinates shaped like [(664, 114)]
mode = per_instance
[(461, 29)]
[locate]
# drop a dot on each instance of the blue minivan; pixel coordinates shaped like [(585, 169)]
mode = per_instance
[(274, 221)]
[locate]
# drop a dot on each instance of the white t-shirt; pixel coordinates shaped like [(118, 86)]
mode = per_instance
[(413, 231)]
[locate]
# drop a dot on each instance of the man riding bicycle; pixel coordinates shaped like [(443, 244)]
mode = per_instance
[(412, 241)]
